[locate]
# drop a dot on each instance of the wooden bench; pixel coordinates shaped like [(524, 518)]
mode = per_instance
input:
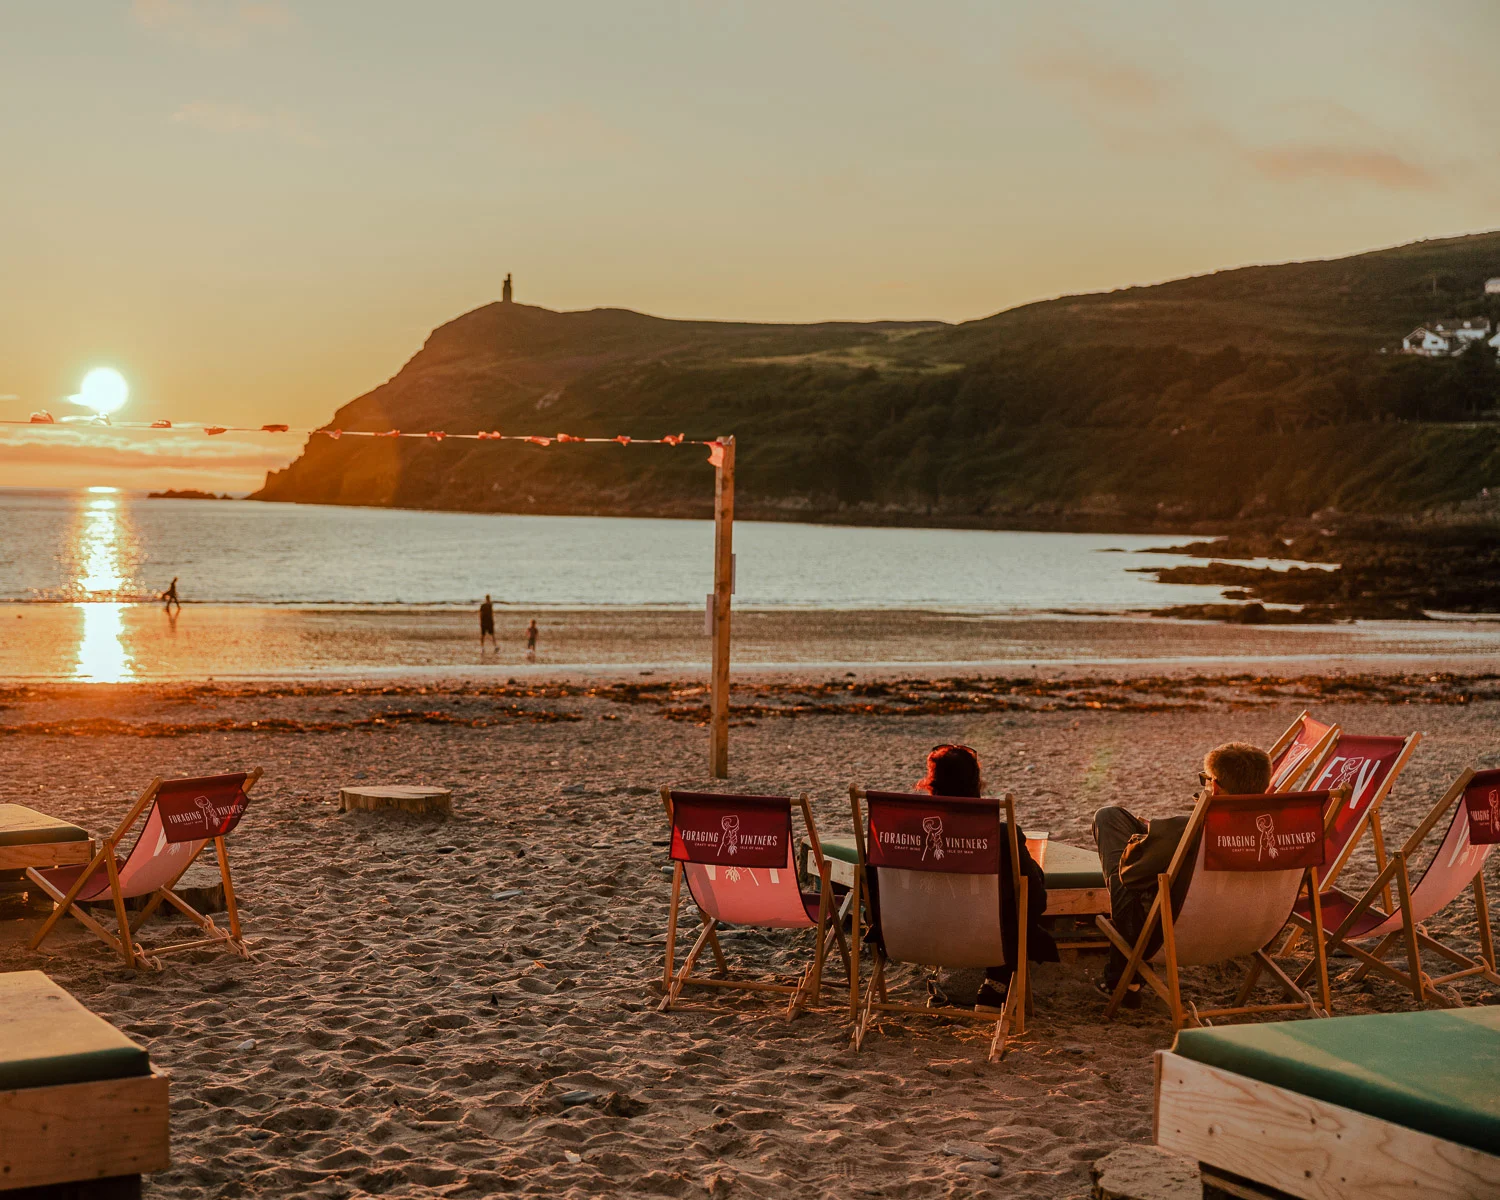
[(81, 1110), (1395, 1104)]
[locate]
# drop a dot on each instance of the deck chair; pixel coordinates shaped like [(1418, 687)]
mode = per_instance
[(1458, 863), (1368, 767), (181, 817), (735, 854), (1249, 856), (936, 866), (1300, 749)]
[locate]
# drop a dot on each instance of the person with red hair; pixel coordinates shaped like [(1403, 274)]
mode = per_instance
[(953, 770)]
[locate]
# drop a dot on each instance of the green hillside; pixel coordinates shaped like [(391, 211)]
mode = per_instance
[(1247, 394)]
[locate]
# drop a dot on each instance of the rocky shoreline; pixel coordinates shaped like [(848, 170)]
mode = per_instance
[(1373, 570)]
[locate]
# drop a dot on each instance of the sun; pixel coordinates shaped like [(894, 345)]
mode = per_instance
[(103, 389)]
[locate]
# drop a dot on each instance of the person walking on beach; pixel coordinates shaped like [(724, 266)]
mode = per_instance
[(487, 624), (1132, 852), (531, 632), (169, 597)]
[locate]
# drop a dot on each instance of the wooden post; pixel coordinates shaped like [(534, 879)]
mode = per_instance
[(718, 723)]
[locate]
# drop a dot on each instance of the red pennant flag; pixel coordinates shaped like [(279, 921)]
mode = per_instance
[(674, 439), (540, 441), (623, 440), (43, 418), (274, 428), (716, 453), (335, 434), (161, 424), (436, 435), (568, 437), (211, 430)]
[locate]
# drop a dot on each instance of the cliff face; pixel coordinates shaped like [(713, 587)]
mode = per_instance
[(1258, 393)]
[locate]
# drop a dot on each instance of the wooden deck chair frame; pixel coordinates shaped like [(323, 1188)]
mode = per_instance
[(806, 992), (1412, 936), (122, 941), (864, 1005), (1370, 820), (1170, 988), (1312, 760)]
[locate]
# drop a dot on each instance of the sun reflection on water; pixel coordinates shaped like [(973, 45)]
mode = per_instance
[(101, 577), (102, 657)]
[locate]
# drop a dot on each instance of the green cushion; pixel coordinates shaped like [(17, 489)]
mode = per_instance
[(22, 826), (1072, 867), (47, 1038), (1066, 867), (1434, 1072)]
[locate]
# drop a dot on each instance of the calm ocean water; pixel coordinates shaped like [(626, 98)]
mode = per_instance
[(81, 546)]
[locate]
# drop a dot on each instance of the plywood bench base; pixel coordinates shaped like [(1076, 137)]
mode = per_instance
[(1305, 1147), (116, 1187), (83, 1131)]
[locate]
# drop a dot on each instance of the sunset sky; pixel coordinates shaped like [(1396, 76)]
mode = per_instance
[(257, 210)]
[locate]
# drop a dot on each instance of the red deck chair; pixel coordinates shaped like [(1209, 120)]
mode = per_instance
[(735, 854), (1458, 863), (184, 816), (1251, 856), (936, 862), (1300, 749), (1368, 768)]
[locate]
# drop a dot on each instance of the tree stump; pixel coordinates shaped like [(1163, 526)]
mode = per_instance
[(1145, 1173), (426, 801)]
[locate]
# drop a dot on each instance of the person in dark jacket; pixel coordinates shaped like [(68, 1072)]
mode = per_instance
[(954, 771), (1133, 852)]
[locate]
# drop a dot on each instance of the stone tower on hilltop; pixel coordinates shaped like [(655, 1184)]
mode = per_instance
[(506, 291)]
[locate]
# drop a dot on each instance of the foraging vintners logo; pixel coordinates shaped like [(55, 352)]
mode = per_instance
[(1483, 804), (1286, 838), (743, 831), (933, 828), (1266, 823)]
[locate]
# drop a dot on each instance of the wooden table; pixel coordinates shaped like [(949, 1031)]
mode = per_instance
[(33, 839)]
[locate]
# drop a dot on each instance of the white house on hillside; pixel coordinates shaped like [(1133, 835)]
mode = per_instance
[(1442, 339)]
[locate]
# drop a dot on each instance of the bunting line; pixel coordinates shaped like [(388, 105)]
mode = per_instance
[(45, 419)]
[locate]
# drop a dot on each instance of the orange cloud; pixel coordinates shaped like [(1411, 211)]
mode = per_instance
[(79, 457), (1381, 167)]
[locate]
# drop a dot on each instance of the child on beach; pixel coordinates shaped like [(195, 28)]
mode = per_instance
[(1132, 852), (531, 632)]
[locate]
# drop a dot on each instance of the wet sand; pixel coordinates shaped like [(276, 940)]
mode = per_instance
[(415, 1034), (111, 643)]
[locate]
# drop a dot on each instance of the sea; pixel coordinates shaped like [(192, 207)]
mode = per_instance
[(113, 546), (287, 590)]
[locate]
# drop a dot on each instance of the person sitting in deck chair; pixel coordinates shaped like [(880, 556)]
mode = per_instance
[(1132, 852), (954, 771)]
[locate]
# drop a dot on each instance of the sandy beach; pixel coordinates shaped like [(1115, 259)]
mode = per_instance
[(106, 642), (405, 1031)]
